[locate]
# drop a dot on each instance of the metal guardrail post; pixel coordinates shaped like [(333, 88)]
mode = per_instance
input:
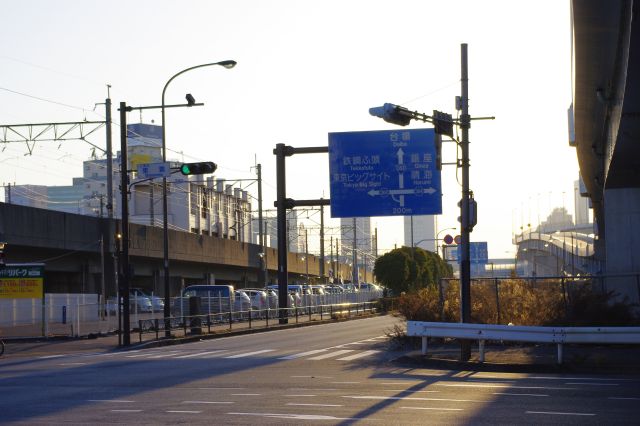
[(140, 330), (564, 297), (156, 325), (309, 310), (497, 300), (267, 320), (321, 309), (296, 309)]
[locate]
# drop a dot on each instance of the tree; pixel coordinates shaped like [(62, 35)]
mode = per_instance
[(408, 270)]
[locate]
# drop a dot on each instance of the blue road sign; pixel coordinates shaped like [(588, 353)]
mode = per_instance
[(478, 253), (154, 170), (384, 173)]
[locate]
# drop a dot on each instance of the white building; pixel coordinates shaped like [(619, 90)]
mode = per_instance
[(363, 242), (420, 231), (199, 204)]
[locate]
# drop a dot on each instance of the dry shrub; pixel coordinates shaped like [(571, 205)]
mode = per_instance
[(423, 305), (520, 302)]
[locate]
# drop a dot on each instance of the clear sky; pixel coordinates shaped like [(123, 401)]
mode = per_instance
[(305, 68)]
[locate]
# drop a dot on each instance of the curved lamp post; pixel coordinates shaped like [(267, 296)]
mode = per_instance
[(165, 225)]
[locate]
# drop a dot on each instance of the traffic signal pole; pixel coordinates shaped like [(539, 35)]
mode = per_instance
[(465, 265)]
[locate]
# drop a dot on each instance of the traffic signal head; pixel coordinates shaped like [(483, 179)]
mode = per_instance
[(198, 168), (443, 123), (391, 114)]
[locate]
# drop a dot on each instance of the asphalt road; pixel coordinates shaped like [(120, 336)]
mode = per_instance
[(341, 373)]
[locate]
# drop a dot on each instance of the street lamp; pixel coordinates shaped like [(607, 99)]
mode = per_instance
[(165, 222)]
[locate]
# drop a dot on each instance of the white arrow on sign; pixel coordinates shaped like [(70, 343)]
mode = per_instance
[(414, 191)]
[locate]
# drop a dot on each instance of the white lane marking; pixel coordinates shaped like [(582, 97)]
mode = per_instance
[(593, 384), (431, 408), (221, 388), (558, 413), (299, 395), (331, 354), (199, 354), (111, 400), (345, 383), (247, 354), (356, 356), (594, 379), (312, 389), (126, 411), (463, 385), (624, 398), (50, 356), (297, 416), (314, 405), (207, 402), (166, 355), (312, 377), (215, 355), (246, 394), (401, 383), (301, 354), (149, 354), (409, 391), (519, 394), (184, 411), (409, 398)]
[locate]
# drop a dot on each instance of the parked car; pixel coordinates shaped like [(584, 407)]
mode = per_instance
[(272, 298), (157, 303), (242, 304), (317, 289), (137, 304), (214, 299), (258, 298)]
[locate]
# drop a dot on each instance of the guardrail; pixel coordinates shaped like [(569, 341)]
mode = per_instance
[(194, 324), (557, 335)]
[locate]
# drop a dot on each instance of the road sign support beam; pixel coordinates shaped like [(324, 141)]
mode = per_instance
[(283, 204)]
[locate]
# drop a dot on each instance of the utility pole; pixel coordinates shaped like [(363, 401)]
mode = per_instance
[(465, 265), (333, 265), (107, 104), (354, 271), (261, 235), (322, 272), (124, 264)]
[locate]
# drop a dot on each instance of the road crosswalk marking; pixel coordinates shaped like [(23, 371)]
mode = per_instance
[(358, 355), (338, 353), (331, 354), (247, 354), (302, 354), (202, 354)]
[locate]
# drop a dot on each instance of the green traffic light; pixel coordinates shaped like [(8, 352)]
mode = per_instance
[(185, 170)]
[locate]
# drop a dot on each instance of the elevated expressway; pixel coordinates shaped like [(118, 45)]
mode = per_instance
[(556, 254), (606, 117)]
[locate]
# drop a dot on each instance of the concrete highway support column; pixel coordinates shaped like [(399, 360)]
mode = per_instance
[(622, 227)]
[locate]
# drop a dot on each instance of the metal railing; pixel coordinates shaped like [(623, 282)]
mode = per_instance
[(253, 318)]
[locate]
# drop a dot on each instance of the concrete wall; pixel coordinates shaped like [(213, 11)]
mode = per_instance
[(622, 221), (69, 244)]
